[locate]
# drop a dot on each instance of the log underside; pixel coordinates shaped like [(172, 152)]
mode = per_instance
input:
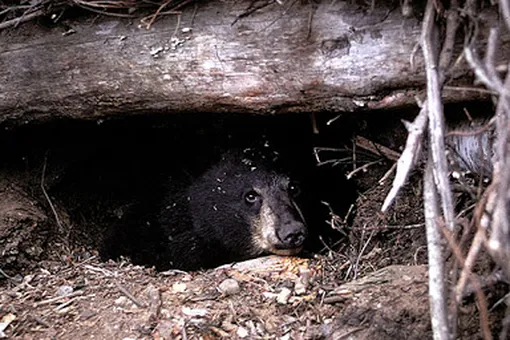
[(334, 56)]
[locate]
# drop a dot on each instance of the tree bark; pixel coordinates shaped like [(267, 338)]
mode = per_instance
[(332, 56)]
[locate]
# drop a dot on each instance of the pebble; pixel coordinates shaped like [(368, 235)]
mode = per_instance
[(195, 312), (284, 296), (65, 290), (302, 282), (242, 332), (121, 301), (229, 287), (179, 287)]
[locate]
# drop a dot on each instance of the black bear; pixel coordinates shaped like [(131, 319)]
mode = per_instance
[(240, 208), (244, 206)]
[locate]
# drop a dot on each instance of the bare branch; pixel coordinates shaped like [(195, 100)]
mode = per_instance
[(429, 42), (498, 242), (476, 285), (504, 5), (492, 45), (486, 71), (437, 294), (409, 155), (24, 18), (452, 23), (468, 264)]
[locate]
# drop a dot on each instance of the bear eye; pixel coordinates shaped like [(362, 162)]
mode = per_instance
[(251, 197), (294, 189)]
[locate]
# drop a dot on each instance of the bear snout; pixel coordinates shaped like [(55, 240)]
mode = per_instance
[(279, 228), (292, 235)]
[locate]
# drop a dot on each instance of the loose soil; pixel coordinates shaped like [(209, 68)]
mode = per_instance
[(371, 285)]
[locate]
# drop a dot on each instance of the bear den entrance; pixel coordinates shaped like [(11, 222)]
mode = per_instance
[(66, 183)]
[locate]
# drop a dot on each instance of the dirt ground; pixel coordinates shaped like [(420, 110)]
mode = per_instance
[(271, 297), (268, 298), (280, 298), (371, 285)]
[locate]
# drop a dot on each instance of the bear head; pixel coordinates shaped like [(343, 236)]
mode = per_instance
[(244, 207)]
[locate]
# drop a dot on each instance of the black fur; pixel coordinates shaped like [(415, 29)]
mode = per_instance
[(205, 222)]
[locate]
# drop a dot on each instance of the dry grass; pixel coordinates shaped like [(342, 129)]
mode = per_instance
[(13, 13)]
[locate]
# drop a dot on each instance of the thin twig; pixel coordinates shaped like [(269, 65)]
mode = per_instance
[(112, 14), (2, 273), (24, 18), (452, 22), (251, 9), (468, 264), (362, 168), (177, 25), (153, 18), (283, 15), (470, 89), (408, 158), (472, 132), (57, 219), (129, 295), (360, 254), (193, 16), (387, 227), (104, 4), (475, 282), (74, 265), (481, 72), (387, 175), (376, 148), (58, 298), (65, 304)]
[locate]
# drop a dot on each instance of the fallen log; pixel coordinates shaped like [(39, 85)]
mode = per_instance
[(214, 57)]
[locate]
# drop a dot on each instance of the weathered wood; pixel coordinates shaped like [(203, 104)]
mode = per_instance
[(334, 56)]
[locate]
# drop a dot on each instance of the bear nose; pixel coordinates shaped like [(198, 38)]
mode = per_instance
[(292, 236)]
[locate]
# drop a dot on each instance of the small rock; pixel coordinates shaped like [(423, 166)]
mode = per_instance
[(165, 314), (65, 290), (302, 282), (200, 312), (121, 301), (283, 296), (269, 295), (242, 332), (285, 337), (4, 322), (229, 287), (155, 51), (86, 314), (179, 287)]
